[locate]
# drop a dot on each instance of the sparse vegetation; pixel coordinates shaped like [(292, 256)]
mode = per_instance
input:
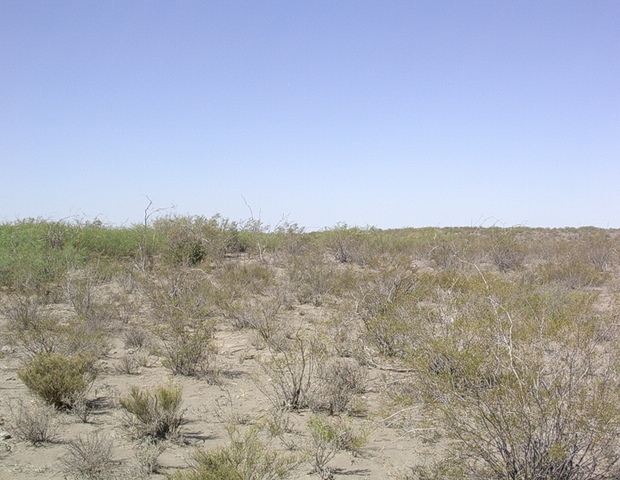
[(492, 350)]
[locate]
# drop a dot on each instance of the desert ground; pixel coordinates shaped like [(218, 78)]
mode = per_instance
[(350, 353)]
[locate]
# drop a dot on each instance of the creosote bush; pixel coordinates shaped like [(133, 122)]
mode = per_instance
[(59, 380), (188, 348), (154, 412), (515, 382), (246, 457), (329, 436)]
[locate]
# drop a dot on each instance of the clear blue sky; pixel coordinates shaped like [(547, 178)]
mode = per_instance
[(384, 113)]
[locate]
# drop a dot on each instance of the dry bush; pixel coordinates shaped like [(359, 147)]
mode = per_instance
[(33, 422), (236, 287), (292, 372), (573, 273), (59, 380), (188, 348), (386, 305), (88, 334), (194, 240), (127, 365), (136, 337), (312, 278), (80, 292), (179, 292), (147, 454), (505, 251), (155, 413), (247, 276), (90, 457), (521, 386), (183, 310), (35, 330), (348, 244), (339, 380), (601, 249), (30, 327), (261, 314)]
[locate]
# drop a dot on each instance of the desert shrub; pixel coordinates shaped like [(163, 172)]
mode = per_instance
[(312, 277), (246, 457), (194, 240), (28, 263), (518, 388), (179, 292), (504, 249), (343, 332), (128, 364), (34, 329), (183, 309), (442, 470), (287, 239), (90, 457), (292, 372), (329, 436), (154, 412), (346, 244), (385, 304), (339, 380), (30, 327), (261, 314), (188, 347), (33, 422), (147, 453), (59, 380), (87, 334), (136, 337), (601, 249), (95, 240), (573, 273), (251, 277), (79, 291)]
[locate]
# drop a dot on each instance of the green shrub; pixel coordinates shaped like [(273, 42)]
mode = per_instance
[(94, 240), (27, 262), (520, 385), (59, 380), (329, 436), (245, 458), (188, 347), (155, 412), (195, 239)]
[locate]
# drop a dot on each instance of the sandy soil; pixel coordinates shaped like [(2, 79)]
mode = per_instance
[(208, 407)]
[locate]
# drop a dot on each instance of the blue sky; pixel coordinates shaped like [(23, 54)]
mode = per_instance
[(384, 113)]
